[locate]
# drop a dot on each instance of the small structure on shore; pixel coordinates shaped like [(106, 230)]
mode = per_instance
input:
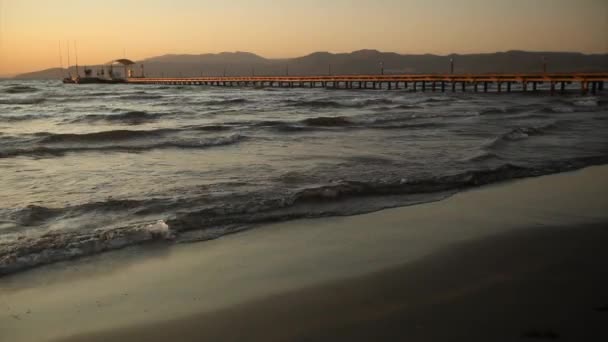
[(116, 71)]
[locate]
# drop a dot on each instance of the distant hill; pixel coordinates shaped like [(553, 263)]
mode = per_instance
[(53, 73), (357, 62)]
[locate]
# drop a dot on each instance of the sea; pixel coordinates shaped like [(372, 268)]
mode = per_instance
[(86, 169)]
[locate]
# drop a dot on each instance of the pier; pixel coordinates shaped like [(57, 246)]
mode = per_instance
[(497, 83)]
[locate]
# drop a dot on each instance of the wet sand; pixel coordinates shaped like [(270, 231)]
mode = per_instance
[(548, 283), (519, 260)]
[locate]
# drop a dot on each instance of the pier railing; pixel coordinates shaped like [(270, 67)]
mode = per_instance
[(586, 82)]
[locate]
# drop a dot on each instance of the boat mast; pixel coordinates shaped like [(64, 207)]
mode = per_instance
[(76, 55), (69, 73), (60, 61)]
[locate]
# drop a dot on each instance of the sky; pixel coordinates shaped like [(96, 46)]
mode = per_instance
[(31, 30)]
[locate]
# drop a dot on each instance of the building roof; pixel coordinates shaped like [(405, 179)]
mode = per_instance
[(123, 61)]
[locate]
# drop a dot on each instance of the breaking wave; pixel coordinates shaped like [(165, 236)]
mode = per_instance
[(521, 133), (56, 246), (234, 215), (266, 211)]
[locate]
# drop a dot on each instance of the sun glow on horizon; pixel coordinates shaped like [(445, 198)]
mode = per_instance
[(30, 30)]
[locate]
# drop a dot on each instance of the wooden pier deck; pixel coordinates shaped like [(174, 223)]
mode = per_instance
[(584, 82)]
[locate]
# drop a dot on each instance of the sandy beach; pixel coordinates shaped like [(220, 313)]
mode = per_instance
[(522, 260)]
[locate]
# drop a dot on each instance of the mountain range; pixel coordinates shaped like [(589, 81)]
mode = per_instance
[(357, 62)]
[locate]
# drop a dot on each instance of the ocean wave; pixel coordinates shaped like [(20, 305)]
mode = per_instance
[(34, 215), (327, 103), (17, 118), (317, 104), (467, 179), (129, 118), (22, 101), (326, 121), (224, 102), (521, 133), (291, 128), (586, 103), (407, 106), (297, 204), (284, 126), (375, 102), (24, 251), (96, 137), (504, 110), (43, 151), (211, 128), (20, 89), (556, 110), (482, 156), (438, 100), (417, 125), (53, 246), (100, 93), (140, 97)]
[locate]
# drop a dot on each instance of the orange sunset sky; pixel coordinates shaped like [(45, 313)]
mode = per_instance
[(30, 30)]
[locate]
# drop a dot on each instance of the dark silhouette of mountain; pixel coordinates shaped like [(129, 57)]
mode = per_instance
[(47, 74), (358, 62)]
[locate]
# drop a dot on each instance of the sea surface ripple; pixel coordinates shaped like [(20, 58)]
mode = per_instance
[(90, 168)]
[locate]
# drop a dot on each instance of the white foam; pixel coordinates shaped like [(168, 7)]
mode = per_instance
[(561, 109), (586, 103), (160, 229)]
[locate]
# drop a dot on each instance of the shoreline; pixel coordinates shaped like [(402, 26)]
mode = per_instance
[(553, 288), (69, 247), (136, 290)]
